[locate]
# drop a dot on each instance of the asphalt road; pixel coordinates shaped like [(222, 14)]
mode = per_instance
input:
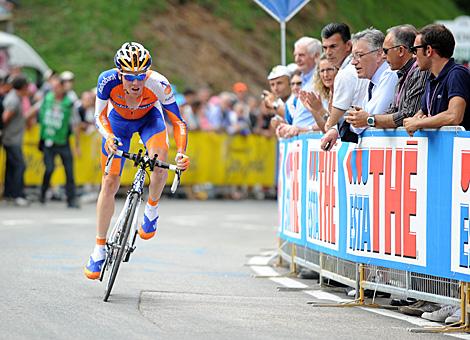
[(190, 282)]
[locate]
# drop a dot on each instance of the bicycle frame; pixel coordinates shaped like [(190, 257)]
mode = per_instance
[(138, 188), (119, 246)]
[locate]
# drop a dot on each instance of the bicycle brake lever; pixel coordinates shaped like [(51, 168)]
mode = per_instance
[(138, 158), (176, 181), (152, 162)]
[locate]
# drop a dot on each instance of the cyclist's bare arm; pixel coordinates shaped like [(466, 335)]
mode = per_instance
[(162, 88), (106, 82)]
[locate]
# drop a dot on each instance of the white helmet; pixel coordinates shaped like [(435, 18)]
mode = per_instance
[(132, 57)]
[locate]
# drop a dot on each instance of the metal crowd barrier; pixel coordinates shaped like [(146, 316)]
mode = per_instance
[(389, 214), (397, 282)]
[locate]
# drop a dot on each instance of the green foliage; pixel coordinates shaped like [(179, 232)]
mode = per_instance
[(81, 36), (247, 12)]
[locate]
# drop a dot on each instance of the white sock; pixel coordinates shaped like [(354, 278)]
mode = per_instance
[(99, 252), (151, 211)]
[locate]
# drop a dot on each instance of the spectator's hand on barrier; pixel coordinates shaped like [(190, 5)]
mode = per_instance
[(286, 131), (357, 117), (182, 161), (280, 130), (112, 143), (411, 124), (329, 139), (293, 131)]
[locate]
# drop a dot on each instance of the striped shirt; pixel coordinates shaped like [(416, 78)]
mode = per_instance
[(408, 92)]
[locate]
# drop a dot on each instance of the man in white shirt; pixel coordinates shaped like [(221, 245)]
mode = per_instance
[(348, 89), (367, 58)]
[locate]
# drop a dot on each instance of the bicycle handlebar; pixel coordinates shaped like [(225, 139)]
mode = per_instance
[(145, 161)]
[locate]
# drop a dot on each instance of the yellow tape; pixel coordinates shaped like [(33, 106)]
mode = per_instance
[(215, 158)]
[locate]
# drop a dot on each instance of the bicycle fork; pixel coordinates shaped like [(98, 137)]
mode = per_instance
[(131, 245)]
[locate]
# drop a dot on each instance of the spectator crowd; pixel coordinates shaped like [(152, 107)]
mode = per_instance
[(339, 85), (347, 83)]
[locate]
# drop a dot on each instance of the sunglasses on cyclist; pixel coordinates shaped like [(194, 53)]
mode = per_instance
[(132, 77)]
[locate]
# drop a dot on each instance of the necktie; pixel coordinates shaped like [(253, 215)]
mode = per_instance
[(371, 86)]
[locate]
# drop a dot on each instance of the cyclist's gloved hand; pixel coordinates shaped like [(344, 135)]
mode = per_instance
[(112, 143), (182, 161)]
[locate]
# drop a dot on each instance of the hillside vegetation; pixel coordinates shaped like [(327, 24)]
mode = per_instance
[(200, 42)]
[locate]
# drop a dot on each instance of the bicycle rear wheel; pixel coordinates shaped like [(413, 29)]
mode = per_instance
[(122, 242)]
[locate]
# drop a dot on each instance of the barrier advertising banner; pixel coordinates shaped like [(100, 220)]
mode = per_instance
[(460, 257), (392, 200)]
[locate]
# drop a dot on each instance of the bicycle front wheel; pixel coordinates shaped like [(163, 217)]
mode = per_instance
[(121, 243)]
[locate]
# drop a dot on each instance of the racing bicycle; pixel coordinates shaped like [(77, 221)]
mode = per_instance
[(118, 246)]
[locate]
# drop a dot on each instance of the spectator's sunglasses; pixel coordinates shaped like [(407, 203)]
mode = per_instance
[(293, 83), (132, 77), (414, 49), (390, 48)]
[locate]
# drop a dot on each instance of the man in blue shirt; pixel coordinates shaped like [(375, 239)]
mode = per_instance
[(447, 93), (306, 53)]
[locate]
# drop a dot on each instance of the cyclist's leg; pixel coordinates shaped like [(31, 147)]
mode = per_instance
[(109, 186), (155, 138), (123, 129), (158, 144)]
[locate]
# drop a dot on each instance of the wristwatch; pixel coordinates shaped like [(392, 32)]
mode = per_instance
[(371, 121)]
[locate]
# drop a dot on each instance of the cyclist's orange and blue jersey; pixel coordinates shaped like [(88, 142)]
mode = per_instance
[(114, 116)]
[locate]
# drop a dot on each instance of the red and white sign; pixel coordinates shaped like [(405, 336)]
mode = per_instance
[(460, 231), (293, 178), (386, 193), (322, 213)]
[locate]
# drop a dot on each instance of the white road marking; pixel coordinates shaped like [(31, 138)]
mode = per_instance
[(289, 283), (320, 295), (72, 221), (259, 264), (265, 271), (259, 260), (18, 222)]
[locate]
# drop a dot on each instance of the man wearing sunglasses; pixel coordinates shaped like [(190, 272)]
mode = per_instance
[(447, 93), (410, 88), (138, 98)]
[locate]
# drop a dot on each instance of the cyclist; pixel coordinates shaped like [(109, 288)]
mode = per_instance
[(138, 97)]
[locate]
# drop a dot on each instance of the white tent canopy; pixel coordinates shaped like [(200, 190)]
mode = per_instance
[(20, 53)]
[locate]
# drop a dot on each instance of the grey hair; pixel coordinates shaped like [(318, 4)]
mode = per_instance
[(374, 38), (313, 45), (403, 35)]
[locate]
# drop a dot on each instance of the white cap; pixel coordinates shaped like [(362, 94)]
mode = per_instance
[(292, 67), (278, 71), (67, 75)]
